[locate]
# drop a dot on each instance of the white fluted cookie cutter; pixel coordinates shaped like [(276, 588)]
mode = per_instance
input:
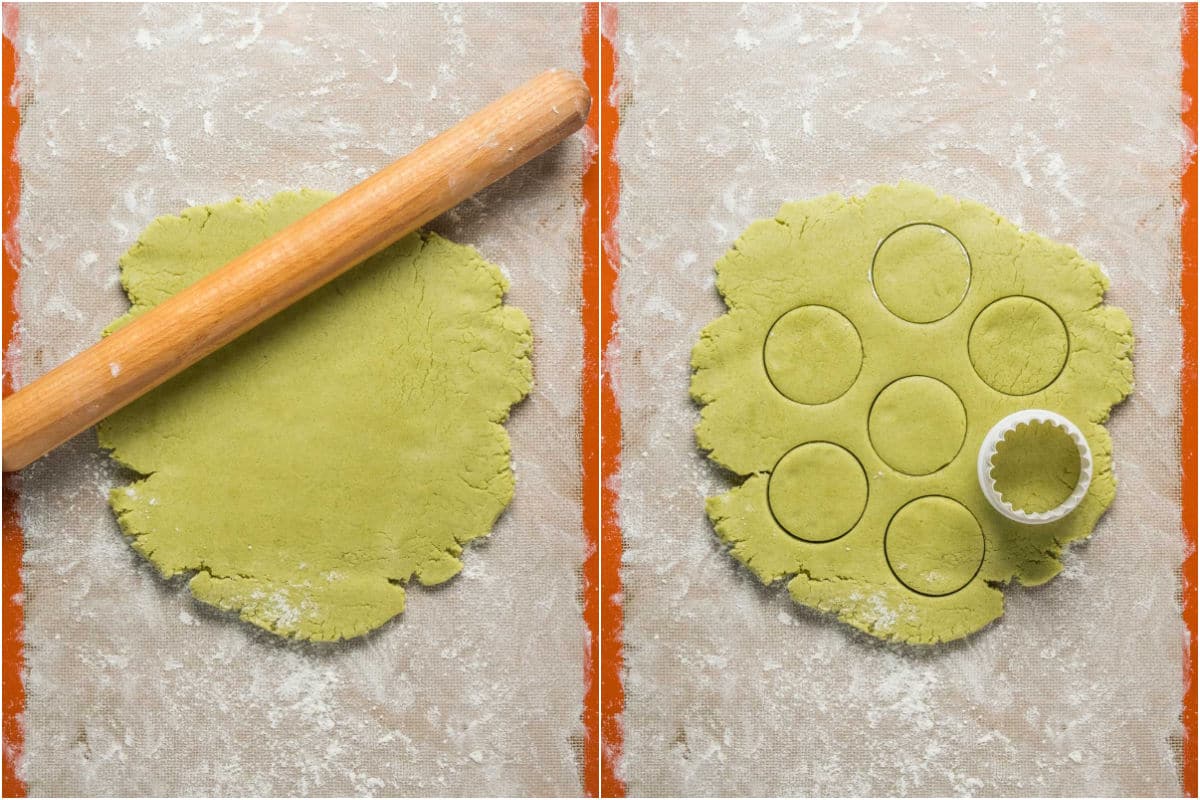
[(987, 451)]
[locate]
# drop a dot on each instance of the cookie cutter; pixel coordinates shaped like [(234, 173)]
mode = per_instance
[(987, 451)]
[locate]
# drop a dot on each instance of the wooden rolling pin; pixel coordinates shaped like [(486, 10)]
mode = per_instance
[(298, 260)]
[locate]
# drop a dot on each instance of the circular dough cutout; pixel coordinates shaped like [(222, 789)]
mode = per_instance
[(812, 354), (1018, 345), (921, 273), (934, 546), (917, 425), (817, 492)]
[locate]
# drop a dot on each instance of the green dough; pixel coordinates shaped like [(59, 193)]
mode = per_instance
[(833, 354), (303, 474), (934, 545), (817, 492), (1036, 467), (922, 443), (921, 272), (1042, 332), (870, 344)]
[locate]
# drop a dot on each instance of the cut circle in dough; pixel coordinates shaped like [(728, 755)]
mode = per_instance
[(917, 425), (921, 272), (910, 424), (934, 546), (812, 354), (303, 474), (817, 492), (1021, 325)]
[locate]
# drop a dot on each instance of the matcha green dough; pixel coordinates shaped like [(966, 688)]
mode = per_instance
[(1036, 467), (934, 545), (303, 474), (817, 492), (917, 444), (921, 272), (870, 344), (834, 354), (1041, 329)]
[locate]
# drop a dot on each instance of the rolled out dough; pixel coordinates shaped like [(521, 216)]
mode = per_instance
[(306, 472), (870, 344)]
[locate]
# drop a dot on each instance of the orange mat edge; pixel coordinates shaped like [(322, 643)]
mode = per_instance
[(12, 681), (1187, 391), (612, 660)]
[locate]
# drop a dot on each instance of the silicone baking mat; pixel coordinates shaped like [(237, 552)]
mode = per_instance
[(1067, 120), (130, 687)]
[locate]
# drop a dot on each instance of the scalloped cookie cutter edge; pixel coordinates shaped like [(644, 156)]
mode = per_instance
[(987, 451)]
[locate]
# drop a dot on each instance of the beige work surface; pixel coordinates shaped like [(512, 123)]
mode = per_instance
[(1065, 119), (130, 112)]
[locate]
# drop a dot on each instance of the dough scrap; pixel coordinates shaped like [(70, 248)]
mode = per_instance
[(959, 318), (304, 473)]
